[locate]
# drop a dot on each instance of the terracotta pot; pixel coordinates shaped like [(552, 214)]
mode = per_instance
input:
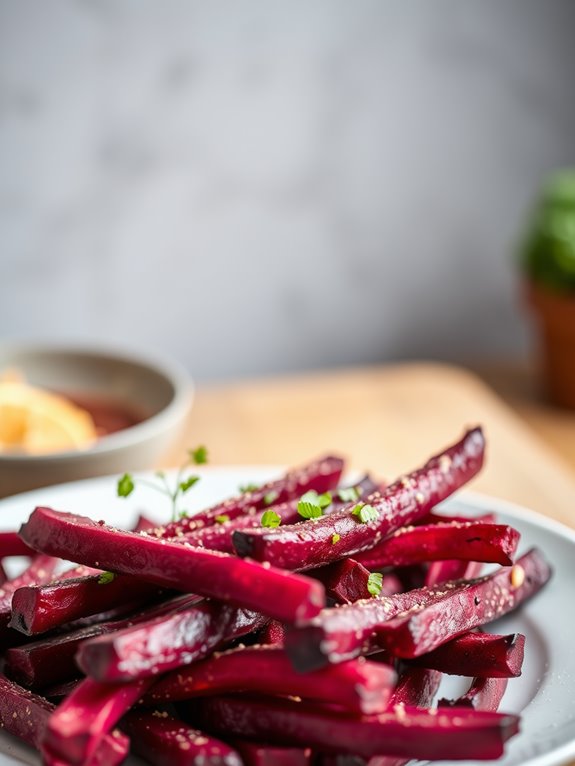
[(555, 314)]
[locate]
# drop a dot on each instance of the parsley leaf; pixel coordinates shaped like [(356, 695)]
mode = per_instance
[(335, 538), (312, 497), (222, 518), (105, 578), (173, 491), (188, 483), (125, 485), (248, 488), (199, 455), (348, 494), (365, 513), (271, 519), (271, 497), (375, 583), (311, 505), (309, 510)]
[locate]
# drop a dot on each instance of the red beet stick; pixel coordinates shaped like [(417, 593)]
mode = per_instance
[(281, 595), (359, 685), (451, 734), (346, 532)]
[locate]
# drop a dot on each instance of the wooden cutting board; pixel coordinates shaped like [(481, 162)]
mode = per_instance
[(388, 419)]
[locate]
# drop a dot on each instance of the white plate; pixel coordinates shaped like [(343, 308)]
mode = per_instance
[(544, 695)]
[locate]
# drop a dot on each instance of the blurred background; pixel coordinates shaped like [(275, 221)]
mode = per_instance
[(259, 186)]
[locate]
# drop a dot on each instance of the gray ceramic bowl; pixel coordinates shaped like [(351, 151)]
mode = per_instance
[(160, 391)]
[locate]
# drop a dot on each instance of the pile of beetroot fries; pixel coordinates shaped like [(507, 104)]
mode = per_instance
[(310, 642)]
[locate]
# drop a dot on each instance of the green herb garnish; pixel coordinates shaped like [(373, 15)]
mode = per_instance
[(271, 497), (321, 500), (270, 519), (365, 513), (248, 488), (106, 577), (335, 538), (222, 518), (188, 483), (199, 455), (309, 510), (348, 494), (375, 583), (127, 484), (311, 505)]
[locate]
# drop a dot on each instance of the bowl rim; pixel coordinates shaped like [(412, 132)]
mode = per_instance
[(178, 407)]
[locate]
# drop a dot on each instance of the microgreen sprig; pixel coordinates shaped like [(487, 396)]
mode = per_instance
[(271, 497), (106, 577), (348, 494), (270, 519), (375, 583), (311, 505), (365, 513), (197, 456), (248, 488)]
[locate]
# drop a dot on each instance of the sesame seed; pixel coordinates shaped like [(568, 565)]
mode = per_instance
[(517, 575), (444, 463)]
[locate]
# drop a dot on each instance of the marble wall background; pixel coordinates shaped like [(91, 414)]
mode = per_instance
[(256, 186)]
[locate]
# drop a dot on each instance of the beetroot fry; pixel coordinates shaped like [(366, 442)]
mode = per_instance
[(11, 544), (359, 686), (350, 530), (452, 569), (469, 541), (465, 605), (218, 537), (46, 604), (341, 633), (26, 715), (272, 634), (418, 621), (40, 570), (52, 660), (165, 741), (258, 754), (477, 654), (40, 608), (78, 725), (157, 645), (483, 694), (345, 581), (453, 733), (416, 687), (320, 475), (243, 583)]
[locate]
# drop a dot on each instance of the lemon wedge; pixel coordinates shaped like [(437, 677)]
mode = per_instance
[(36, 421)]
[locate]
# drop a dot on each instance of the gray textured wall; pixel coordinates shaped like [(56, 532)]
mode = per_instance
[(257, 186)]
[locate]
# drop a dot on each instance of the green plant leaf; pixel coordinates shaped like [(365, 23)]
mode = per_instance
[(375, 583), (270, 519), (125, 485)]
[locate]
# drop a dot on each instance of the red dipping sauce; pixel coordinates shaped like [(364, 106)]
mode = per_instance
[(108, 416)]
